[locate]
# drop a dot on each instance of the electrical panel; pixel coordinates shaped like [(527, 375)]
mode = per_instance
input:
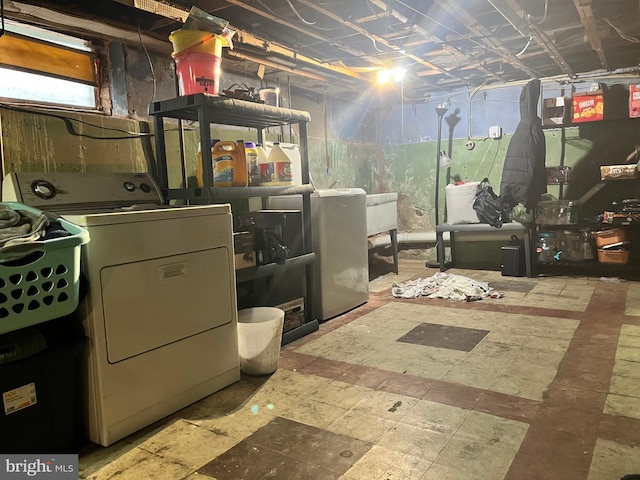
[(495, 132)]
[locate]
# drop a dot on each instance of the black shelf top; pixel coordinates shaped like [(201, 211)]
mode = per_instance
[(228, 111)]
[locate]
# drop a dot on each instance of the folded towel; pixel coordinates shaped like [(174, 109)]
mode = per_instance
[(8, 216)]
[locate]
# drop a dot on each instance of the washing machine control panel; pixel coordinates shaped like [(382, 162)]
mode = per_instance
[(56, 191)]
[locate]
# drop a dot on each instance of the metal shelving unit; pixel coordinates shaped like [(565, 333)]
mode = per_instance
[(207, 110)]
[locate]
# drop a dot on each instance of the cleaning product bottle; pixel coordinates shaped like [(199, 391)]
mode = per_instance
[(225, 155), (281, 165), (199, 166), (265, 166), (252, 163), (240, 171)]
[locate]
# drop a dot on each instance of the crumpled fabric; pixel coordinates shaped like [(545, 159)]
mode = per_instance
[(20, 226), (442, 285)]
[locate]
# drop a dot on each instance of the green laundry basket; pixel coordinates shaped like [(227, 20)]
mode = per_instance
[(42, 280)]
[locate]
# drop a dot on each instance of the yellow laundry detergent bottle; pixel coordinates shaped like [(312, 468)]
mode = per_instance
[(225, 154), (206, 158)]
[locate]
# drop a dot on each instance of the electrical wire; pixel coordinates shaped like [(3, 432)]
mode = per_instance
[(153, 75), (525, 47), (623, 35), (298, 15), (70, 126)]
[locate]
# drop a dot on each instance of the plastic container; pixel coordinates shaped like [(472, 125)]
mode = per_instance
[(241, 167), (197, 41), (620, 257), (42, 282), (41, 401), (252, 164), (259, 339), (608, 237), (229, 164), (199, 167), (197, 73), (281, 165), (265, 166)]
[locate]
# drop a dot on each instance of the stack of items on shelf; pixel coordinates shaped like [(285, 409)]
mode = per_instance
[(241, 164), (613, 247)]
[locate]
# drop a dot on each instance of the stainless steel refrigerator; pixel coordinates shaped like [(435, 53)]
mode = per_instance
[(339, 240)]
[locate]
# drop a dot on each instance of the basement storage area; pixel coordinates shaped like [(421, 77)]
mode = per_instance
[(438, 202)]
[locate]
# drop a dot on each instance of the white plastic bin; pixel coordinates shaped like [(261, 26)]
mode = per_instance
[(259, 339)]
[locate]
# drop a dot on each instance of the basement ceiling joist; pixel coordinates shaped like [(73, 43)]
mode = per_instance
[(443, 44)]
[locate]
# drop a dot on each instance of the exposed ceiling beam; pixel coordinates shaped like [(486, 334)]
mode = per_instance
[(380, 40), (588, 19), (455, 8), (508, 8), (276, 65), (383, 5), (305, 31)]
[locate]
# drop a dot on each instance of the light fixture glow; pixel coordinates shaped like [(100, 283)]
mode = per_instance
[(387, 75)]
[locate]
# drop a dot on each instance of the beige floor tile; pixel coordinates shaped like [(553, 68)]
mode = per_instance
[(625, 368), (436, 417), (414, 440), (443, 472), (373, 464), (408, 467), (425, 367), (367, 428), (474, 374), (628, 353), (484, 460), (188, 444), (622, 406), (615, 459), (340, 394), (141, 465), (629, 341), (482, 427), (632, 305), (519, 385), (628, 329), (240, 424), (310, 412), (390, 406), (628, 386)]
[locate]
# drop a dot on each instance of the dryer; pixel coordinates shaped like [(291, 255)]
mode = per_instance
[(160, 309)]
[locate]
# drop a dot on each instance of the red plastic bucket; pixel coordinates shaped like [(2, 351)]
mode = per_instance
[(198, 73)]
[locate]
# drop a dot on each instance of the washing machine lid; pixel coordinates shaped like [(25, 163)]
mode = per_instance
[(338, 192)]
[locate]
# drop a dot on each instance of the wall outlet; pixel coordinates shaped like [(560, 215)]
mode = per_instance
[(495, 132)]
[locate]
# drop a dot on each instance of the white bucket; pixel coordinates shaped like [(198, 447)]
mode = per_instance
[(259, 339)]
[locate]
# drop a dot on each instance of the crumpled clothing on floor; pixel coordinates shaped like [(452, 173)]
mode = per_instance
[(444, 285)]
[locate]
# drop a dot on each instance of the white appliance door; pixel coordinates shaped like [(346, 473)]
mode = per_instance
[(152, 303)]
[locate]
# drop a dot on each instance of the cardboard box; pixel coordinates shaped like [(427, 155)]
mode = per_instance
[(618, 172), (556, 111), (620, 257), (610, 237), (634, 101), (588, 107), (293, 313), (244, 250)]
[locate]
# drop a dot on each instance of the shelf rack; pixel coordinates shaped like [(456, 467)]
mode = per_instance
[(206, 110)]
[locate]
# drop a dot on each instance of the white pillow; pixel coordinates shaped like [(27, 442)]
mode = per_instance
[(459, 199)]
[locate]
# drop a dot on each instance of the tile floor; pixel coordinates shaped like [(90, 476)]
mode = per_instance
[(541, 384)]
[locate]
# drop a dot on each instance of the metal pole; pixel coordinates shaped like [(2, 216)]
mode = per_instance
[(440, 110)]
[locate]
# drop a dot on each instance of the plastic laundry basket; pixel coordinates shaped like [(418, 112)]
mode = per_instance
[(259, 339), (42, 282)]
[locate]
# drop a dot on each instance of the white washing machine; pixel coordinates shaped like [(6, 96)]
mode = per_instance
[(160, 310)]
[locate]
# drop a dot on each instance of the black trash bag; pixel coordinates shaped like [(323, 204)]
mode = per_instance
[(488, 205)]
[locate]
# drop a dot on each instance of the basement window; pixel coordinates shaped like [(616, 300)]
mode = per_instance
[(41, 66)]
